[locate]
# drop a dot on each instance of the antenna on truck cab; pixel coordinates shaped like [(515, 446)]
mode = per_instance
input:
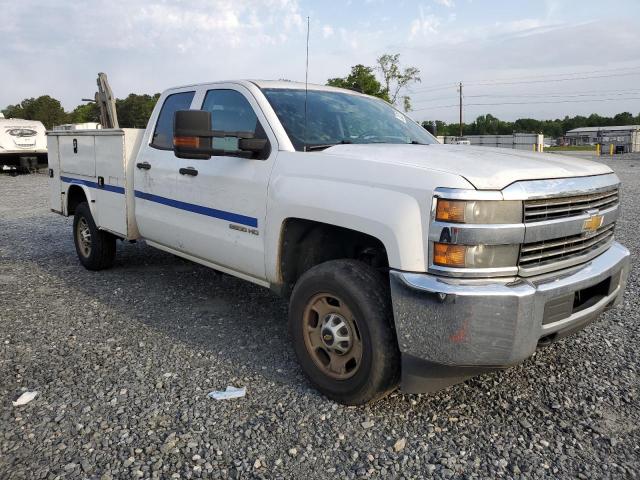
[(306, 84)]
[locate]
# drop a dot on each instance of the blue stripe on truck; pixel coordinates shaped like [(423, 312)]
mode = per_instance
[(88, 183), (189, 207)]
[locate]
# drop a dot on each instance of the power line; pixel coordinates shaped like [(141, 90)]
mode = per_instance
[(564, 95), (430, 89), (525, 77), (555, 80), (526, 103), (514, 80), (539, 95)]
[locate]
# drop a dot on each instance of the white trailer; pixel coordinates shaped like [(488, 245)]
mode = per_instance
[(23, 144)]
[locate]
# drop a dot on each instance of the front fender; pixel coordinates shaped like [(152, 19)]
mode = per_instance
[(390, 204)]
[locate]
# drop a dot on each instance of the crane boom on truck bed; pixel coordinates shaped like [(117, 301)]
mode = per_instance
[(106, 102)]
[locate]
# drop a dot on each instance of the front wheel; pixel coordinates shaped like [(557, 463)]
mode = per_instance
[(341, 323), (96, 249)]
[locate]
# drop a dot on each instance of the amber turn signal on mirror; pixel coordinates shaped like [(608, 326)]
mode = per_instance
[(186, 142)]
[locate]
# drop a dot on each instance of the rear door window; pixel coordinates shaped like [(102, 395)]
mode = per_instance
[(163, 134)]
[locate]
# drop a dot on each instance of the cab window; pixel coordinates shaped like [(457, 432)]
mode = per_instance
[(231, 112), (163, 134)]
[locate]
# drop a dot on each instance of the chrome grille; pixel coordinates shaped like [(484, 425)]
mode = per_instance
[(562, 207), (574, 246)]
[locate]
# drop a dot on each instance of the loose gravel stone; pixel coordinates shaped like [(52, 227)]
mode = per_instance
[(400, 444), (123, 360)]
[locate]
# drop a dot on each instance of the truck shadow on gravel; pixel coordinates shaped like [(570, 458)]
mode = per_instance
[(242, 324)]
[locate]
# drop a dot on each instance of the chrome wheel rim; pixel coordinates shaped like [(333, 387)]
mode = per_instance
[(83, 233), (331, 336)]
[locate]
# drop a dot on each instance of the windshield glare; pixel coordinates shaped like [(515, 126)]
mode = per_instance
[(337, 117)]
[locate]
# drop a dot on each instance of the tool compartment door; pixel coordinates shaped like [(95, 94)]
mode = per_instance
[(55, 187), (111, 208), (77, 154)]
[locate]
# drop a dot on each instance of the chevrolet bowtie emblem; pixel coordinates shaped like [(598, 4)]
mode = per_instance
[(592, 223)]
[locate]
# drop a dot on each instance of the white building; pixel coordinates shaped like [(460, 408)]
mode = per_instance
[(625, 138), (519, 141)]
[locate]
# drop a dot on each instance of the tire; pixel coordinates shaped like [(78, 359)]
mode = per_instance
[(98, 249), (334, 306)]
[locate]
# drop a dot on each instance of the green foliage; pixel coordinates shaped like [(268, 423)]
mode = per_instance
[(45, 109), (490, 125), (394, 78), (13, 111), (361, 79), (87, 113), (570, 148), (135, 110)]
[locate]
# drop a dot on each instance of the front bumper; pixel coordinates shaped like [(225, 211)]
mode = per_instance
[(450, 329)]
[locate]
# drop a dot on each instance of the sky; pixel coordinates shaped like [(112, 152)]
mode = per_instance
[(525, 55)]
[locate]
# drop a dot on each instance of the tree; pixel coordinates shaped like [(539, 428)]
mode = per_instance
[(394, 78), (441, 127), (361, 79), (135, 110), (87, 113), (13, 111), (624, 118), (490, 125), (45, 109)]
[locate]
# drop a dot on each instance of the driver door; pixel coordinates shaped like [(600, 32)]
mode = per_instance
[(224, 198)]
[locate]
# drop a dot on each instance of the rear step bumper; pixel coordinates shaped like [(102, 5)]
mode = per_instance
[(451, 329)]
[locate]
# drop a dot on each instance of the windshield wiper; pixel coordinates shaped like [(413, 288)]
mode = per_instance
[(310, 148)]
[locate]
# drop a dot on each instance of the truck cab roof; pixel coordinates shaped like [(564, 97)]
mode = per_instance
[(281, 84)]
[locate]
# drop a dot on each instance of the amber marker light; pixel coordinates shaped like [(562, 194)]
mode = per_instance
[(450, 210), (449, 255), (186, 142)]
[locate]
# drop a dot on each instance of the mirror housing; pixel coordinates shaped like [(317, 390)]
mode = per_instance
[(253, 145), (191, 134)]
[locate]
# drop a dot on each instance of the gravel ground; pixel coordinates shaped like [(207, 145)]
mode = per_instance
[(123, 360)]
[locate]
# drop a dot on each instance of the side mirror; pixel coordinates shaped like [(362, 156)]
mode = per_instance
[(192, 134), (253, 145)]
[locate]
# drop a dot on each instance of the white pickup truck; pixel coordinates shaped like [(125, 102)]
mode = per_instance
[(406, 262)]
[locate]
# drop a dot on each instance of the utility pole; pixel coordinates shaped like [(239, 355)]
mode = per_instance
[(460, 90)]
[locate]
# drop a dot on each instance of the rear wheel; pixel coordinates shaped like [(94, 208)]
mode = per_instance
[(96, 249), (340, 320)]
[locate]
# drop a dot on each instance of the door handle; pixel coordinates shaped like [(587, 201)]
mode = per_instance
[(188, 171), (143, 165)]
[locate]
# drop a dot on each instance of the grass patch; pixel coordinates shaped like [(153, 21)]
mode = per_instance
[(571, 148)]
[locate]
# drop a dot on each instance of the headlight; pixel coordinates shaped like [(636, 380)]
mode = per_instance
[(475, 256), (479, 211)]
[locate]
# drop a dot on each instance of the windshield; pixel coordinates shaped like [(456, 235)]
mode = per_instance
[(336, 117)]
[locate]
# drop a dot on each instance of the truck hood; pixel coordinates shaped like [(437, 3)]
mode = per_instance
[(485, 168)]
